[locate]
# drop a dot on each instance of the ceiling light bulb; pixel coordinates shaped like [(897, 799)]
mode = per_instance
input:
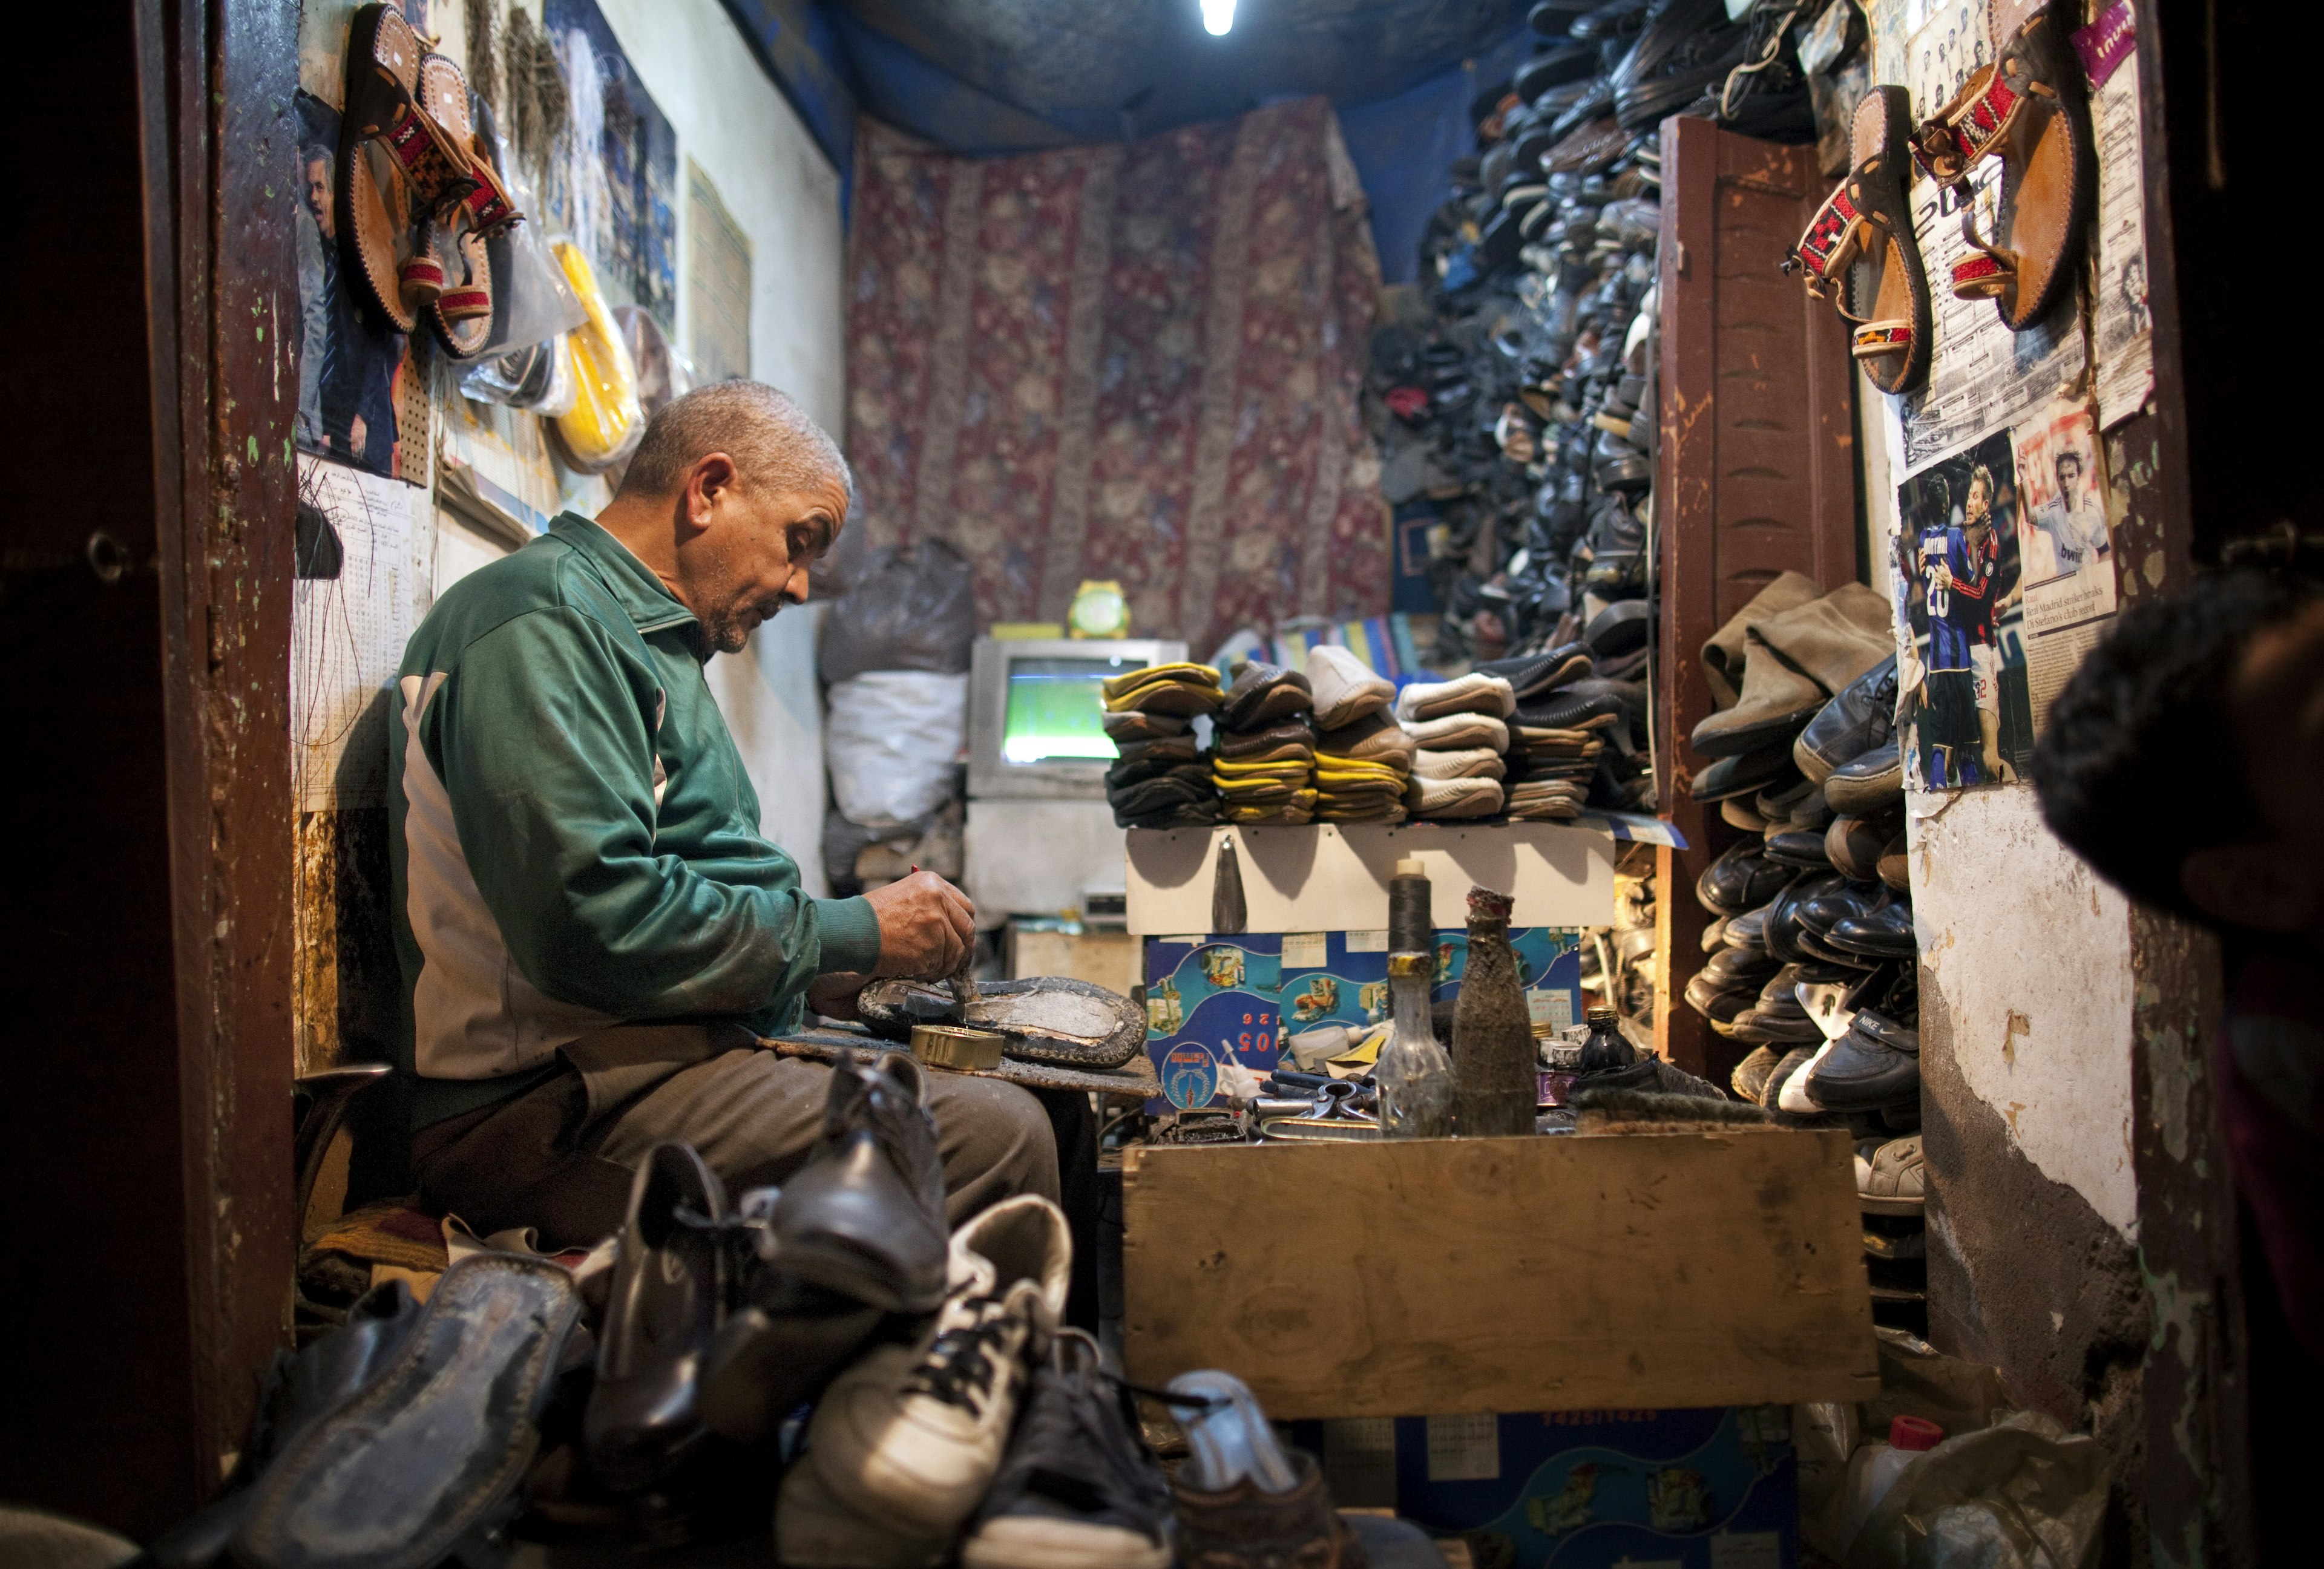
[(1218, 17)]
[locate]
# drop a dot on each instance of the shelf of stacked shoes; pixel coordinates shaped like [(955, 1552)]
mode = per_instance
[(1161, 780), (1263, 748), (1363, 757), (1460, 731)]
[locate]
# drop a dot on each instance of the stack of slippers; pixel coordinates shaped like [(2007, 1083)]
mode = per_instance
[(1263, 757), (1554, 742), (1363, 758), (1459, 730), (1161, 780)]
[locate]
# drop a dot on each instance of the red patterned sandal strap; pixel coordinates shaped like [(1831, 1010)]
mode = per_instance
[(1831, 242), (465, 304), (430, 160), (422, 276), (1879, 337)]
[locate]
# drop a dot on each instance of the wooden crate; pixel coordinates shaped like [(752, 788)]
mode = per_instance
[(1554, 1274)]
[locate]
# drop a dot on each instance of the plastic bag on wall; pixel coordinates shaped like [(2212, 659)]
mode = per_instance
[(664, 375), (893, 739), (2022, 1494), (606, 420), (911, 608)]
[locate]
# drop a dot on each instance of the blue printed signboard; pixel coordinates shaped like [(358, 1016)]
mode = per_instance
[(1210, 1000)]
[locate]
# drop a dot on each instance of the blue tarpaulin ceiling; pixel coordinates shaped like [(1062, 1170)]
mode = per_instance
[(1006, 76)]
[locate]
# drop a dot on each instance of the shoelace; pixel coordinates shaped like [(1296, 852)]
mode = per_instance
[(963, 1368)]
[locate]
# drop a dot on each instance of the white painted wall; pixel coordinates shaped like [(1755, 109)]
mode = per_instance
[(777, 186), (2031, 954)]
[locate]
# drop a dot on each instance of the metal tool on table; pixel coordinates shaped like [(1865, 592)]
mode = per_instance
[(1331, 1115)]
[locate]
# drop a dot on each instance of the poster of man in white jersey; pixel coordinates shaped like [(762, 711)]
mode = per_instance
[(1958, 562)]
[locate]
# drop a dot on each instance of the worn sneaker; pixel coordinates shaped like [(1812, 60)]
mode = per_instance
[(914, 1434), (814, 1530), (1079, 1489)]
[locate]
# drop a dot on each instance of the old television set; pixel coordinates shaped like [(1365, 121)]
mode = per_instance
[(1035, 712)]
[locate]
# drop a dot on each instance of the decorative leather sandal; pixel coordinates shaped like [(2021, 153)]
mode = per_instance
[(457, 298), (396, 164), (2028, 109), (1859, 252)]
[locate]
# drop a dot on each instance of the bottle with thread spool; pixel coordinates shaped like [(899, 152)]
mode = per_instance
[(1413, 1073)]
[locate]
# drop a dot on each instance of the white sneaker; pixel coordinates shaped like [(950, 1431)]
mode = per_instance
[(814, 1530), (914, 1434)]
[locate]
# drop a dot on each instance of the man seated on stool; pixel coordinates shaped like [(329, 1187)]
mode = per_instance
[(591, 926)]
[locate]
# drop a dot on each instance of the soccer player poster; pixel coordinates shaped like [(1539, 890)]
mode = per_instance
[(1963, 709)]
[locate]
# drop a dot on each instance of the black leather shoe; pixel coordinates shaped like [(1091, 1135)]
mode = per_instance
[(1875, 1065), (1781, 933), (1855, 843), (667, 1299), (1749, 775), (1867, 783), (1798, 847), (1741, 879), (1747, 930), (1720, 1004), (779, 1352), (864, 1217), (1536, 675), (1740, 966), (1884, 933), (1819, 915), (1860, 718)]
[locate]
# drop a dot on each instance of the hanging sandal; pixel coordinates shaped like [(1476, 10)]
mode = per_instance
[(1860, 252), (457, 298), (2028, 109), (396, 164)]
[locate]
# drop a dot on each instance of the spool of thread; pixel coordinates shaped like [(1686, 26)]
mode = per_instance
[(1411, 929)]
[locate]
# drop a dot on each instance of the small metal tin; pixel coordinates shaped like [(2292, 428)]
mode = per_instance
[(950, 1046)]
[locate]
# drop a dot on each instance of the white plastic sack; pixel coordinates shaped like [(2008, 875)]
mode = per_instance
[(892, 739)]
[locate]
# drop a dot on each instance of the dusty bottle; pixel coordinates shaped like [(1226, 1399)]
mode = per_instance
[(1607, 1048), (1414, 1074), (1492, 1032)]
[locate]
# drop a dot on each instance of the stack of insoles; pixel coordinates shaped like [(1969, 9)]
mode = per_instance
[(1161, 780)]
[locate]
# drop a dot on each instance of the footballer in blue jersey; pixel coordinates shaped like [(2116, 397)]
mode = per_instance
[(1950, 578)]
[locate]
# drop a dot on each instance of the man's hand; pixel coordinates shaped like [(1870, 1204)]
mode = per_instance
[(927, 926), (834, 996)]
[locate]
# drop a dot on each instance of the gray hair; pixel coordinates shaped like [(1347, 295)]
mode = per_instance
[(774, 444)]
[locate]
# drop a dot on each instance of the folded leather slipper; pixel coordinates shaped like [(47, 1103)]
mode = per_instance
[(1858, 252), (1460, 732), (1345, 688), (1132, 726), (1134, 771), (1184, 699), (1574, 708), (1474, 693), (1176, 789), (1174, 748), (1538, 674), (1183, 672), (1251, 744), (1475, 763), (1387, 813), (2027, 108), (1379, 739), (1452, 798), (1263, 694)]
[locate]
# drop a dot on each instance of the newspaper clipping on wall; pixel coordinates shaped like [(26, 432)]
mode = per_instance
[(2063, 545), (2125, 329), (1982, 375)]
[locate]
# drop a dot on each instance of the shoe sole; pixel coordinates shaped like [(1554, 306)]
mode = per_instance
[(1861, 797), (377, 1485), (1055, 1544)]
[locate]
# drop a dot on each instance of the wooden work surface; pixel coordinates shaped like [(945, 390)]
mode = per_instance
[(1553, 1274)]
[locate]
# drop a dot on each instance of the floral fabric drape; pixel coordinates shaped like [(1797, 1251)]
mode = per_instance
[(1137, 362)]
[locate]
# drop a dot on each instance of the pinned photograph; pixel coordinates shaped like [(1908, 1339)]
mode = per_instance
[(1965, 710), (2065, 544)]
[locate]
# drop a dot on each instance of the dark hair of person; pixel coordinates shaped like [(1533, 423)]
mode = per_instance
[(2147, 701)]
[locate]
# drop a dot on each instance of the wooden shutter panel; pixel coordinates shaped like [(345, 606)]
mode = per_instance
[(1758, 474)]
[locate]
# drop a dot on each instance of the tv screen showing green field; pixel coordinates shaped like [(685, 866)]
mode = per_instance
[(1056, 709)]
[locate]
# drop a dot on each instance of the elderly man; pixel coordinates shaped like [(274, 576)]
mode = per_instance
[(590, 924)]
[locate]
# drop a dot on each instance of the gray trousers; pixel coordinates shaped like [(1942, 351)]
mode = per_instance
[(558, 1157)]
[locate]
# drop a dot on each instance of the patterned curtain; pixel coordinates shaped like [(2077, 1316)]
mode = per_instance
[(1137, 362)]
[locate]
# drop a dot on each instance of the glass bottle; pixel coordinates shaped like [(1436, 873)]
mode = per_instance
[(1607, 1047), (1414, 1074), (1492, 1030)]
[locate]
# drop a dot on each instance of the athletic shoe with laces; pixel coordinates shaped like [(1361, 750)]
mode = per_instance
[(1079, 1489), (914, 1434)]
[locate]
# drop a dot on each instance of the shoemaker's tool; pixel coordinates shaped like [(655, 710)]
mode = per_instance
[(962, 982), (950, 1046)]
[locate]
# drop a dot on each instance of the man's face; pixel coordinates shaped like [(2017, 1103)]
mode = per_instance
[(316, 186), (1974, 509), (753, 556), (2069, 475)]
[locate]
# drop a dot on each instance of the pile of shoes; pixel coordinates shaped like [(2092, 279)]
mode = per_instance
[(1161, 780), (1554, 740), (1263, 748), (1363, 758), (1459, 729)]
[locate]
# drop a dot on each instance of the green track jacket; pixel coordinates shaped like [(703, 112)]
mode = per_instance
[(574, 842)]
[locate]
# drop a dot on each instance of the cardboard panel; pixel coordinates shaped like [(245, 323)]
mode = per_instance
[(1331, 878), (1553, 1274)]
